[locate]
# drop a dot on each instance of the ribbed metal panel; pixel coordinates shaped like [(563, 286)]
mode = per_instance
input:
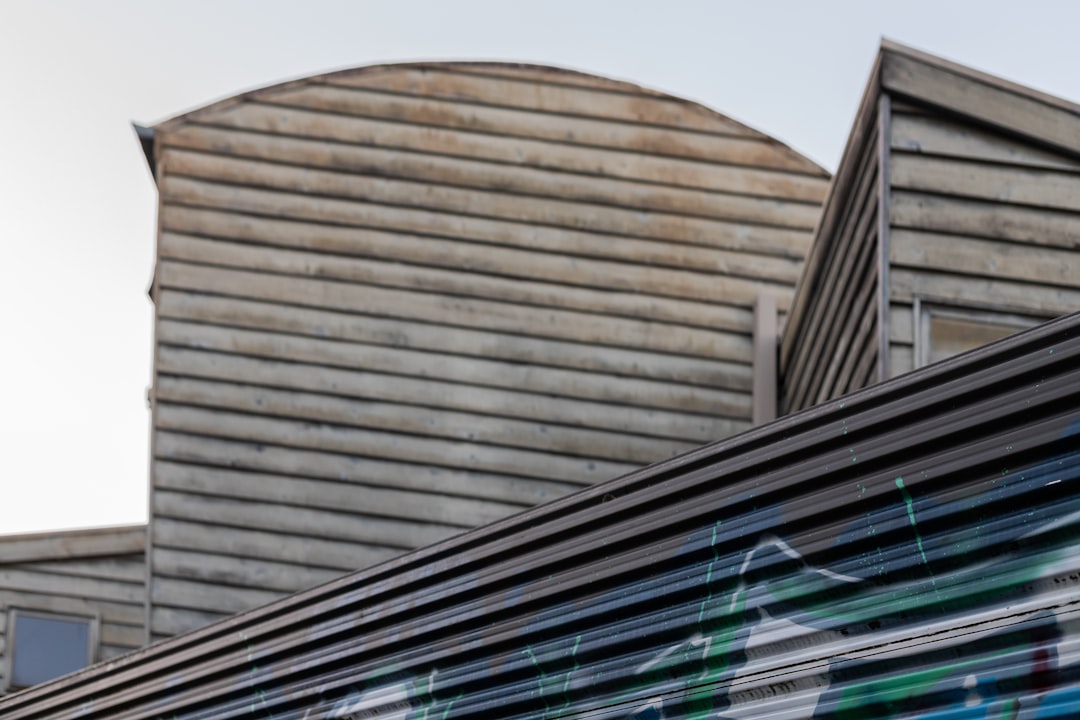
[(907, 551)]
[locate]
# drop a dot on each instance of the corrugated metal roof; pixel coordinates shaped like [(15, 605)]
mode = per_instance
[(904, 551)]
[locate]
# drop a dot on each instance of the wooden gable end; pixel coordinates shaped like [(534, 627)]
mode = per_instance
[(399, 302), (976, 189)]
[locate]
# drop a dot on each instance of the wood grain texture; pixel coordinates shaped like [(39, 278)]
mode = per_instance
[(355, 103), (453, 310), (194, 452), (987, 221), (71, 544), (603, 100), (467, 352), (933, 134), (399, 302), (978, 187), (508, 287), (984, 100), (393, 386), (827, 347)]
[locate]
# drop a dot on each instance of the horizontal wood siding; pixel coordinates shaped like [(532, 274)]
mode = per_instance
[(979, 220), (396, 303), (833, 349), (97, 573)]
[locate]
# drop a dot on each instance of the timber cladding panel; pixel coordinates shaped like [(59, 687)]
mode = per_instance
[(976, 187), (984, 201), (403, 301), (979, 221), (829, 347), (95, 574)]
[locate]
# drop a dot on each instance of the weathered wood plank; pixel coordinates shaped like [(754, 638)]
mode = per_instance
[(813, 357), (73, 543), (938, 135), (121, 636), (416, 420), (854, 164), (342, 526), (208, 597), (901, 359), (632, 105), (122, 613), (591, 133), (574, 366), (989, 258), (853, 333), (451, 310), (548, 75), (827, 262), (901, 324), (124, 569), (299, 462), (175, 621), (955, 216), (867, 373), (268, 545), (382, 162), (111, 652), (361, 384), (993, 103), (32, 581), (299, 194), (567, 258), (341, 495), (387, 445), (860, 367), (507, 377), (238, 572), (466, 282), (363, 217), (995, 294), (1036, 187)]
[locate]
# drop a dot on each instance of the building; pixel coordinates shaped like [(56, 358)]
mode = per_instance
[(398, 302)]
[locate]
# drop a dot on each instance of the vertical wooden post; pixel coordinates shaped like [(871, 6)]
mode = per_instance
[(884, 289), (765, 350)]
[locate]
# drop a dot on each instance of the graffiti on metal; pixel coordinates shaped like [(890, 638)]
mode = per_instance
[(933, 604)]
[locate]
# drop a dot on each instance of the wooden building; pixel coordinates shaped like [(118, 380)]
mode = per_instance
[(952, 221), (398, 302), (91, 584)]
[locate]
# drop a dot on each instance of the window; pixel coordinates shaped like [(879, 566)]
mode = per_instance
[(44, 646), (942, 331)]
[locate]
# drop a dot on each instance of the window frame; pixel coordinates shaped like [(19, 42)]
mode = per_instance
[(924, 310), (93, 623)]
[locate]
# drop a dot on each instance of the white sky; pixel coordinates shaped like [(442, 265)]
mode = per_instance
[(77, 204)]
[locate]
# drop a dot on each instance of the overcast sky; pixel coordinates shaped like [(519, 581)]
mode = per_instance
[(77, 204)]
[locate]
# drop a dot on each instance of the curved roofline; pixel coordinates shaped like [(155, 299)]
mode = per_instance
[(617, 85)]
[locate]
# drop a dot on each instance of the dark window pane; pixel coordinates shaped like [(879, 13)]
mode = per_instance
[(46, 648)]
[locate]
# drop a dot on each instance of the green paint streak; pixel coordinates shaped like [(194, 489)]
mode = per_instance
[(540, 681), (1011, 708), (911, 518), (446, 712), (570, 673)]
